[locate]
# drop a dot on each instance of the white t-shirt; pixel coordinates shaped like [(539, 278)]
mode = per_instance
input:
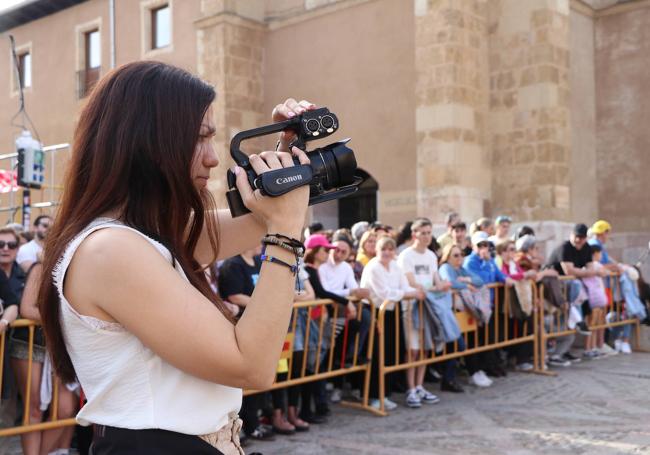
[(421, 265), (28, 252), (337, 278)]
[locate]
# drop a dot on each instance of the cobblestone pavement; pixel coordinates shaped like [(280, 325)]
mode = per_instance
[(592, 408), (601, 407)]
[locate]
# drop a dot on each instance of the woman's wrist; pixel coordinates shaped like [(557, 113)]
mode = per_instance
[(286, 229)]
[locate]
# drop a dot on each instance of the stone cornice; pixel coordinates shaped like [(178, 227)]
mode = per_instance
[(282, 22), (227, 17), (583, 8)]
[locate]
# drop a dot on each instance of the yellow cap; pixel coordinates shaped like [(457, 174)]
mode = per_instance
[(600, 227)]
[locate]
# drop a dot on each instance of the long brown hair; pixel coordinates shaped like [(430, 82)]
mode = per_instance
[(133, 152)]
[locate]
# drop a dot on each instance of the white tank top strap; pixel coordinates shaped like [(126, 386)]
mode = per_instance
[(62, 265)]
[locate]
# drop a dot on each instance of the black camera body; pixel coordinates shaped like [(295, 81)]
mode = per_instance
[(330, 175)]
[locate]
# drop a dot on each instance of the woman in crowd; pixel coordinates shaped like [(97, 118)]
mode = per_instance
[(12, 281), (451, 269), (39, 442), (520, 314), (386, 281), (316, 253), (366, 250)]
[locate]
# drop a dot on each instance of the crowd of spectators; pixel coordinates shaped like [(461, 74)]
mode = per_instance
[(371, 263), (428, 278)]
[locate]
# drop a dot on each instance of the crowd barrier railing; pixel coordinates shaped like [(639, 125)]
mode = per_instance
[(323, 343), (501, 331), (553, 321), (330, 345), (27, 426)]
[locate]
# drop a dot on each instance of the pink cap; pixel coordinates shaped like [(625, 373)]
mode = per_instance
[(317, 240)]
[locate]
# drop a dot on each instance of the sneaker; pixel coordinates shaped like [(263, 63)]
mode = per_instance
[(262, 433), (426, 396), (607, 350), (479, 379), (625, 348), (617, 345), (571, 358), (524, 366), (413, 399), (582, 328), (590, 355), (485, 376), (388, 404), (556, 361), (336, 396)]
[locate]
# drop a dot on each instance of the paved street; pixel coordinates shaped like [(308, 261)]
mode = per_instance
[(596, 408)]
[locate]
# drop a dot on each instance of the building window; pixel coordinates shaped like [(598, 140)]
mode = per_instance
[(160, 27), (25, 69), (89, 75)]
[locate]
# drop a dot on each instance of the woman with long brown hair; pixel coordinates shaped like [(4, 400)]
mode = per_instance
[(125, 303)]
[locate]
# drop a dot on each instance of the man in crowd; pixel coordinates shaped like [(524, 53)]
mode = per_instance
[(238, 276), (421, 268), (28, 253), (459, 238), (573, 258), (502, 230), (447, 238)]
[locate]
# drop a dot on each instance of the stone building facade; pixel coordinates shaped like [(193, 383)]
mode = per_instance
[(534, 108)]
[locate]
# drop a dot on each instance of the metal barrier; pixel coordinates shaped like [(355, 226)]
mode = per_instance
[(319, 338), (27, 426), (497, 333), (314, 327), (553, 321)]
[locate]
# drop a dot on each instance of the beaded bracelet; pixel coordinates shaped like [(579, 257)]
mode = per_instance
[(289, 244), (268, 258)]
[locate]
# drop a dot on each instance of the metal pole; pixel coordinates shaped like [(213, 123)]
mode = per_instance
[(26, 209)]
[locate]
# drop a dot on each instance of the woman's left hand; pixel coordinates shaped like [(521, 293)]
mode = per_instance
[(289, 109)]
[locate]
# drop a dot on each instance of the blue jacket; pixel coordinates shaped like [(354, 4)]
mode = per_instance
[(487, 270), (448, 273)]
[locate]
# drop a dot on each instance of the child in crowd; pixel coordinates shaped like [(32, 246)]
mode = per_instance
[(594, 345)]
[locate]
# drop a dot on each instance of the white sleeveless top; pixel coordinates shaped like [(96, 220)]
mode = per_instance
[(127, 385)]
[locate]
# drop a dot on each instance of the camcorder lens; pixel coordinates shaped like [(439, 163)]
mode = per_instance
[(333, 165)]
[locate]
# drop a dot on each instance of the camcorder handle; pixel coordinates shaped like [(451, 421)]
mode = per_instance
[(308, 126), (273, 183)]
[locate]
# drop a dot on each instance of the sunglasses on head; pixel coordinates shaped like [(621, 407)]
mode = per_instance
[(10, 245)]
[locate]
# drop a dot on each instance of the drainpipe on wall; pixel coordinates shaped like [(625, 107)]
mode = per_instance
[(111, 15)]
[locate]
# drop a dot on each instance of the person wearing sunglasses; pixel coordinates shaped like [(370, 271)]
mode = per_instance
[(481, 263), (12, 282), (28, 253)]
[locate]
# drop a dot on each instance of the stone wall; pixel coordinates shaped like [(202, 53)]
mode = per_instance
[(584, 193), (623, 114), (451, 101), (231, 56), (529, 108)]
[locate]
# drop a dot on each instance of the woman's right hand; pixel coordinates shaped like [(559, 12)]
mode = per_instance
[(283, 214)]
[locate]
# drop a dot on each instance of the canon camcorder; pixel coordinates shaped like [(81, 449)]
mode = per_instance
[(330, 175)]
